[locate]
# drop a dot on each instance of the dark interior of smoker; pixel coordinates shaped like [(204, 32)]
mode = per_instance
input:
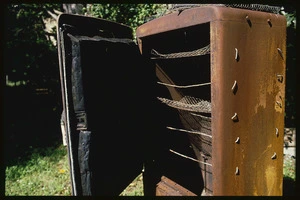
[(115, 103), (193, 176), (115, 96)]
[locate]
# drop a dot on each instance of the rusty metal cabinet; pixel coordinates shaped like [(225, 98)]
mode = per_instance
[(240, 153), (206, 91)]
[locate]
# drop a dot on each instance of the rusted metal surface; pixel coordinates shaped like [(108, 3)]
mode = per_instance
[(247, 74), (172, 74), (167, 187), (177, 20), (247, 148), (218, 121)]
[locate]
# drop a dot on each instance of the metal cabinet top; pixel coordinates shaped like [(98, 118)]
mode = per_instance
[(206, 14)]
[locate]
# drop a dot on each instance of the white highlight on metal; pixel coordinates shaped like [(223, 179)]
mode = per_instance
[(187, 131), (203, 117), (280, 78), (193, 159), (234, 117), (280, 52), (274, 156), (277, 132), (234, 86), (279, 103), (184, 86), (237, 171), (61, 49), (236, 54)]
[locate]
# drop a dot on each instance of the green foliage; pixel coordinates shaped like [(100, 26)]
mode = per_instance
[(29, 52), (25, 22), (290, 15), (289, 168), (132, 15)]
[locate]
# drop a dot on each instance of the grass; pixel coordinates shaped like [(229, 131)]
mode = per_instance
[(289, 168), (135, 188), (46, 173)]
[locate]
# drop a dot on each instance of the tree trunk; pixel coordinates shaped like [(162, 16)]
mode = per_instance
[(73, 8)]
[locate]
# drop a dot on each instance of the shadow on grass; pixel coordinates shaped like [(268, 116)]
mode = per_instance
[(31, 122), (289, 186)]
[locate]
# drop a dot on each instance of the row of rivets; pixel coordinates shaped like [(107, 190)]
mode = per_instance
[(250, 23), (235, 116), (277, 134), (237, 58), (234, 88), (279, 79)]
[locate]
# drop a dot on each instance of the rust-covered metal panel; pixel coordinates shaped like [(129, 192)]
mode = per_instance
[(167, 187), (247, 75), (173, 21), (248, 91)]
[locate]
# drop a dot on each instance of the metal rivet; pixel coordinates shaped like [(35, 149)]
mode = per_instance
[(276, 132), (236, 54), (237, 171), (237, 140), (280, 52), (234, 87), (248, 21), (235, 117), (279, 104), (274, 156), (269, 22), (280, 78)]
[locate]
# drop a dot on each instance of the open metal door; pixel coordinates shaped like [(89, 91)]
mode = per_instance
[(100, 72)]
